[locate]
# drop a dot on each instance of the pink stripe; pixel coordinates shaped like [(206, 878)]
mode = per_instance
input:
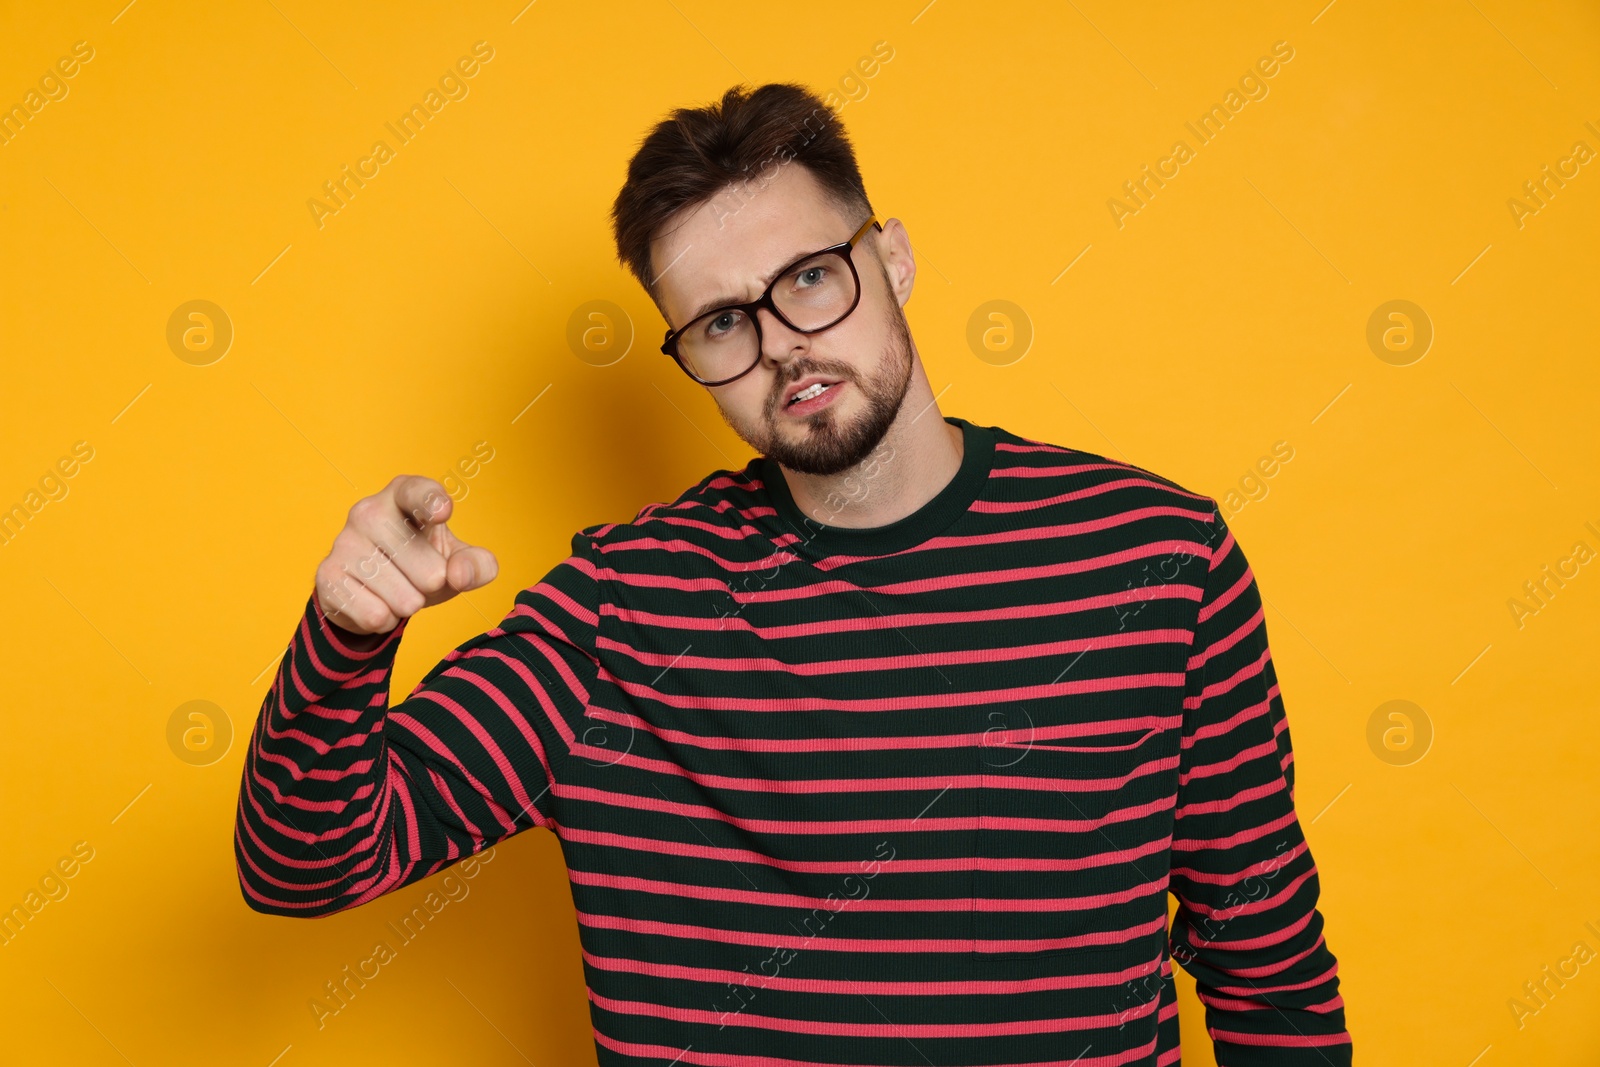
[(929, 824), (852, 624), (799, 786), (1029, 533), (567, 604), (325, 628), (357, 768), (1243, 796), (1291, 987), (1001, 654), (411, 844), (1279, 1040), (1244, 630), (334, 862), (360, 822), (689, 850), (1054, 472), (442, 789), (1277, 966), (542, 623), (332, 806), (1232, 722), (1276, 937), (900, 703), (744, 531), (720, 1059), (868, 903), (446, 756), (967, 579), (517, 717), (864, 944), (1249, 833), (676, 545), (856, 988), (1003, 507), (906, 1031), (1254, 907), (1224, 550), (1237, 760), (263, 875), (1035, 446), (536, 687), (1243, 674), (1010, 740), (474, 726), (1226, 597)]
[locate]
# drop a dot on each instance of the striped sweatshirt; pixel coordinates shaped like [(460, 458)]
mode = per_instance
[(907, 795)]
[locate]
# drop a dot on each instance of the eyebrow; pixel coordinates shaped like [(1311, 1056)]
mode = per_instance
[(723, 301)]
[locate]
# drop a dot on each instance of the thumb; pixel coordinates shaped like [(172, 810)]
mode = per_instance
[(471, 567)]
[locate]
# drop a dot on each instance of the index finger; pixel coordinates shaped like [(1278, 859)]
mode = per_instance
[(421, 500)]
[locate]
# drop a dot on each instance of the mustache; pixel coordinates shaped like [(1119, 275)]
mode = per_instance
[(796, 371)]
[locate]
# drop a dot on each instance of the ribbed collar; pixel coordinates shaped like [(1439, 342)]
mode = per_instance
[(818, 541)]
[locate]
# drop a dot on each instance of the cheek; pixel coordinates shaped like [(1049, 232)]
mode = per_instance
[(745, 401), (889, 349), (860, 341)]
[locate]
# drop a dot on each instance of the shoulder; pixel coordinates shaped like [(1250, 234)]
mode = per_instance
[(1040, 463), (1116, 506), (719, 508)]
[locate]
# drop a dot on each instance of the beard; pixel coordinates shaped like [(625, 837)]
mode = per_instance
[(831, 444)]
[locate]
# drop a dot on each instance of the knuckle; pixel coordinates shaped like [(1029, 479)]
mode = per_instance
[(411, 602), (331, 578), (369, 564), (433, 576), (434, 498)]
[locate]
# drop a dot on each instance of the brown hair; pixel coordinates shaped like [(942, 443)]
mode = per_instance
[(694, 153)]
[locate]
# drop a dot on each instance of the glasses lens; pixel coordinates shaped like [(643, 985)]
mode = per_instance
[(812, 295), (719, 345), (816, 292)]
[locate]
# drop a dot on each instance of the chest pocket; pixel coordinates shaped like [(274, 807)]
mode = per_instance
[(1071, 851)]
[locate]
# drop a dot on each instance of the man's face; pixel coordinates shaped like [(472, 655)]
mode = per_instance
[(727, 250)]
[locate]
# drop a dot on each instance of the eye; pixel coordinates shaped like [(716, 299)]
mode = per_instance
[(816, 273), (723, 324)]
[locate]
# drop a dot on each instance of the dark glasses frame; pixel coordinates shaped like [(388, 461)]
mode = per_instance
[(843, 248)]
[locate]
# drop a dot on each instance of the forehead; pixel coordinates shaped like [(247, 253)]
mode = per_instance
[(726, 249)]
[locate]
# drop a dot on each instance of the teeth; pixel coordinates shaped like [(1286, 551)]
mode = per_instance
[(815, 389)]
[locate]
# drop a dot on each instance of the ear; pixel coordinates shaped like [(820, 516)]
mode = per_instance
[(893, 248)]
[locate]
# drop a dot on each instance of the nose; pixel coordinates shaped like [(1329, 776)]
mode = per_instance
[(779, 343)]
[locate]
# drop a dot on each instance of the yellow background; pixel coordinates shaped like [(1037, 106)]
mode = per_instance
[(1225, 316)]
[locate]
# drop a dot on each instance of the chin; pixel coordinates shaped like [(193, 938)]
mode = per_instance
[(830, 442)]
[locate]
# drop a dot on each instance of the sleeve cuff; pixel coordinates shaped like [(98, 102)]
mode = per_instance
[(339, 644)]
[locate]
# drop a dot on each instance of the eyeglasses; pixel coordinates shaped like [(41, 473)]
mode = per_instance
[(811, 294)]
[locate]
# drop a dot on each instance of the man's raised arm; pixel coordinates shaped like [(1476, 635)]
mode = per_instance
[(343, 798)]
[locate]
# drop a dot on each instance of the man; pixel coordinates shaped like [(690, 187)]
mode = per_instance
[(885, 749)]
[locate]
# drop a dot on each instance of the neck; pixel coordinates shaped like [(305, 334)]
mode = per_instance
[(914, 461)]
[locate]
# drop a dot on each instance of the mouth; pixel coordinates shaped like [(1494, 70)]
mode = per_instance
[(804, 398), (808, 388)]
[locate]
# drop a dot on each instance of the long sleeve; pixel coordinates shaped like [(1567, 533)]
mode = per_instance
[(1247, 926), (343, 798)]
